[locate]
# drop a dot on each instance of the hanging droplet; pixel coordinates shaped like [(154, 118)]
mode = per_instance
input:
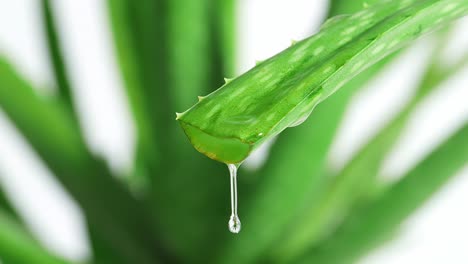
[(234, 221), (234, 224)]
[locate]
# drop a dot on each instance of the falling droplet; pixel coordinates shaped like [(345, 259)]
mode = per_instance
[(234, 221), (234, 224)]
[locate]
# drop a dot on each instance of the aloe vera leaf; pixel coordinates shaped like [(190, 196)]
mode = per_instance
[(315, 139), (53, 135), (188, 64), (152, 70), (283, 185), (17, 246), (368, 227), (102, 251), (6, 205), (363, 169), (223, 13), (358, 176), (56, 57), (282, 91), (128, 30), (276, 199)]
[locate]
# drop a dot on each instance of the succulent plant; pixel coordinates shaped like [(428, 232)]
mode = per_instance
[(173, 205)]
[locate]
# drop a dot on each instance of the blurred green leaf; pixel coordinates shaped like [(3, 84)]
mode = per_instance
[(223, 23), (132, 27), (169, 61), (17, 246), (368, 227), (102, 251), (54, 136), (188, 50), (56, 56), (99, 243), (6, 205)]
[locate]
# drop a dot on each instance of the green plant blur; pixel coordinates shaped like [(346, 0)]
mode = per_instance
[(174, 206)]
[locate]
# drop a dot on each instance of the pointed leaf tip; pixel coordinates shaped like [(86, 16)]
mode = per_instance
[(178, 116)]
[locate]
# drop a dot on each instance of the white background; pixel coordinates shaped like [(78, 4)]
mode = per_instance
[(437, 233)]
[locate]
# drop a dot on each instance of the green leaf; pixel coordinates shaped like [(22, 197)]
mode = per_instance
[(102, 251), (368, 227), (188, 64), (162, 72), (135, 40), (6, 205), (282, 91), (56, 56), (53, 134), (266, 216), (357, 180), (17, 246), (223, 14)]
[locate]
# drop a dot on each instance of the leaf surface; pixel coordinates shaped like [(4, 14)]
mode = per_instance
[(282, 91)]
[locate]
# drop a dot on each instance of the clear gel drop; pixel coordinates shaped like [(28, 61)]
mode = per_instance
[(234, 221)]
